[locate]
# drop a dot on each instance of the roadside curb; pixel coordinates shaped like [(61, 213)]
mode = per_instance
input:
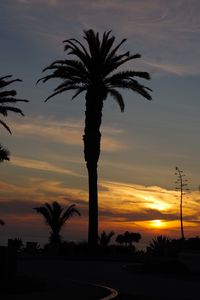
[(113, 294)]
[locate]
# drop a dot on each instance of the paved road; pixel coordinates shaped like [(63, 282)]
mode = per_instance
[(114, 274)]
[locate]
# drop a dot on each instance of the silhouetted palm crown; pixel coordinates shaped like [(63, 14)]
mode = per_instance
[(7, 97), (105, 238), (91, 70), (55, 216)]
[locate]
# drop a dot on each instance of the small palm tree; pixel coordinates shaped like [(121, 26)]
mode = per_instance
[(7, 97), (92, 72), (4, 154), (105, 238), (55, 217)]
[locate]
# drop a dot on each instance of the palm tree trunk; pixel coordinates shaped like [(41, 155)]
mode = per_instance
[(93, 206), (92, 139)]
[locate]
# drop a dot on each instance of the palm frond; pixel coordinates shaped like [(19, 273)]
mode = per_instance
[(45, 213), (117, 97), (134, 86), (49, 208), (12, 100), (105, 238), (8, 97), (79, 91), (106, 44), (73, 49), (4, 154), (69, 212), (93, 42), (81, 45), (4, 83), (5, 77), (5, 126), (73, 64), (4, 110), (112, 53), (126, 75), (72, 87), (8, 93), (118, 61), (56, 216), (69, 82)]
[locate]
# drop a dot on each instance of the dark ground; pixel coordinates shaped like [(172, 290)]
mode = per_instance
[(50, 279)]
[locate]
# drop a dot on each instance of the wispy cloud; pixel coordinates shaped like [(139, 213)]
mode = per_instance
[(171, 68), (141, 199), (121, 206), (67, 132), (40, 165), (40, 190), (161, 29)]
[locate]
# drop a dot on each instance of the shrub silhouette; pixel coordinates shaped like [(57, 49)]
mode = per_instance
[(105, 238)]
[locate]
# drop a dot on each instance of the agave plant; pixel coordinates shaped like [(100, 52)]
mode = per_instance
[(160, 245)]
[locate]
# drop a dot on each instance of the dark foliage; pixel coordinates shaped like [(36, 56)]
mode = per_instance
[(105, 239), (128, 238), (8, 98), (16, 244), (4, 154)]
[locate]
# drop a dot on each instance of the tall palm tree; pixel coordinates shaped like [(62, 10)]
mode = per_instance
[(55, 217), (4, 154), (7, 97), (92, 72)]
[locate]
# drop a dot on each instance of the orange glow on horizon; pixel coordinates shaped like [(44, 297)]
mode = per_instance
[(157, 223)]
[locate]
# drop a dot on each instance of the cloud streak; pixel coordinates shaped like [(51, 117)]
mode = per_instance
[(67, 133), (121, 206), (161, 29), (40, 165)]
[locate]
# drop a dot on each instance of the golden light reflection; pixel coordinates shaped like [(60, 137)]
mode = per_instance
[(155, 203), (157, 223), (149, 210)]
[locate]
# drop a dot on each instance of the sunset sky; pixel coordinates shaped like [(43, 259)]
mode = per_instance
[(140, 147)]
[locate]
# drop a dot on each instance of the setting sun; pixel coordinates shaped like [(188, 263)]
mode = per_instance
[(156, 223)]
